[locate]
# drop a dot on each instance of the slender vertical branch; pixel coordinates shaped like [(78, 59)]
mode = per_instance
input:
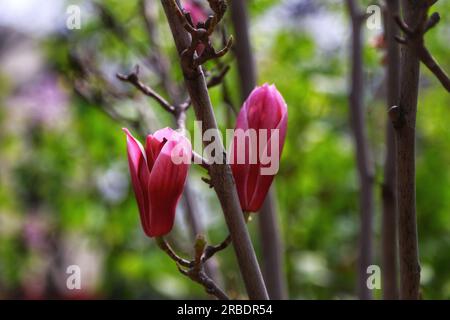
[(365, 170), (242, 48), (269, 230), (389, 219), (405, 129), (221, 176)]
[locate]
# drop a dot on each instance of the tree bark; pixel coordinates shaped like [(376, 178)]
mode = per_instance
[(221, 176), (365, 170), (405, 124), (269, 230), (389, 219)]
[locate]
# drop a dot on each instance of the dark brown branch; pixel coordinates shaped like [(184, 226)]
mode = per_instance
[(133, 78), (209, 53), (403, 26), (161, 242), (212, 250), (194, 269), (405, 122), (217, 79), (428, 60), (221, 174), (202, 278), (432, 21), (414, 39)]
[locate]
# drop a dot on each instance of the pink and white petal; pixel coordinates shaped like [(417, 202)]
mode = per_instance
[(164, 133)]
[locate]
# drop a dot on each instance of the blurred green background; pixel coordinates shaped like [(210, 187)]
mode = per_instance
[(65, 196)]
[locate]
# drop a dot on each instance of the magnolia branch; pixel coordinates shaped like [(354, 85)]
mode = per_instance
[(414, 38), (133, 78), (221, 174), (194, 269)]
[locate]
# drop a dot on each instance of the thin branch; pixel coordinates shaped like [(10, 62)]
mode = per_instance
[(133, 78), (194, 269), (415, 40), (432, 21), (212, 250), (431, 63), (403, 26), (162, 243), (404, 121), (218, 78), (202, 278)]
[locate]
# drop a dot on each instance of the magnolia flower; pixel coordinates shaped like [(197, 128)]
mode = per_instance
[(158, 174), (262, 122)]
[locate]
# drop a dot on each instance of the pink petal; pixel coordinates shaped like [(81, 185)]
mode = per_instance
[(240, 170), (152, 148), (165, 133), (139, 177), (263, 182), (266, 109), (166, 185)]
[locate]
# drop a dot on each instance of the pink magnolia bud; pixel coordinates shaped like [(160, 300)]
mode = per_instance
[(158, 174), (197, 12), (256, 148)]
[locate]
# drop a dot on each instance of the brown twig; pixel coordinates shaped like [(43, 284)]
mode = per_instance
[(218, 78), (414, 39), (194, 269), (212, 250), (133, 78), (162, 243)]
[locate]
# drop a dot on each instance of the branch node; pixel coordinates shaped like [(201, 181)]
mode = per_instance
[(396, 116), (432, 21)]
